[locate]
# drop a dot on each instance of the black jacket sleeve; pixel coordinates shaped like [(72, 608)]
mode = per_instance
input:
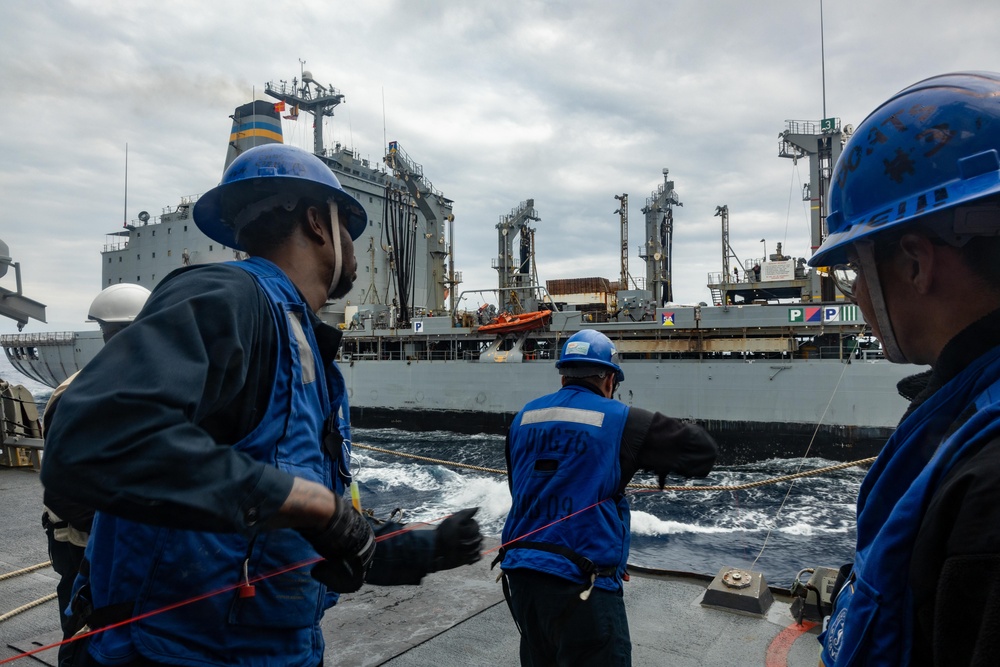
[(955, 594), (144, 431), (664, 445), (405, 557)]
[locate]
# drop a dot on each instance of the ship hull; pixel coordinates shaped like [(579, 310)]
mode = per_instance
[(840, 409), (756, 410), (51, 357)]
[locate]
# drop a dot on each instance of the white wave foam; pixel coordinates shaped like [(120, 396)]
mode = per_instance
[(488, 494), (809, 530), (647, 524)]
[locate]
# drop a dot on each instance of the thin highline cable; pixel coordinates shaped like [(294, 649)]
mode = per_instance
[(801, 462)]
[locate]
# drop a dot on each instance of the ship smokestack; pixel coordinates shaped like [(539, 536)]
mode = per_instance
[(254, 124)]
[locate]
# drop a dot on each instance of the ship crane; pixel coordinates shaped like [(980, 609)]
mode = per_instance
[(436, 209), (14, 304), (517, 276), (657, 251)]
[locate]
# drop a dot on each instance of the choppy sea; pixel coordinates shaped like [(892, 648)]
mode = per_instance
[(783, 527)]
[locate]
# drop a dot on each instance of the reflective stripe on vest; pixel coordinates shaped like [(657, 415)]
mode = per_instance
[(564, 452)]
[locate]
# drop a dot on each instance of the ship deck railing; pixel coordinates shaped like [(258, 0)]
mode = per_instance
[(43, 338), (842, 352)]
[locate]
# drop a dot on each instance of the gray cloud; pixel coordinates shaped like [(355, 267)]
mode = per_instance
[(568, 103)]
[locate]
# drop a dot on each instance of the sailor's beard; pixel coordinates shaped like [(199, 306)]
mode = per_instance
[(343, 286)]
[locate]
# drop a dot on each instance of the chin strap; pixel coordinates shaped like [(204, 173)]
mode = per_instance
[(338, 250), (866, 257)]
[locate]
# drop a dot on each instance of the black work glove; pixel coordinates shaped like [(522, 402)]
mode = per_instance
[(457, 541), (347, 543)]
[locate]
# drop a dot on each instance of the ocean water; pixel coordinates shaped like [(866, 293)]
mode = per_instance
[(13, 376), (786, 527)]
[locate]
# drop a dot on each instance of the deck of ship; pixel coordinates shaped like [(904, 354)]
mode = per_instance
[(455, 618)]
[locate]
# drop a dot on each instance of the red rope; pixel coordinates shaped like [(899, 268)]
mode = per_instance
[(204, 596), (262, 577), (517, 539)]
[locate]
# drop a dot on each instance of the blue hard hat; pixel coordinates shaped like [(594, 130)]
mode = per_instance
[(589, 348), (258, 175), (930, 147)]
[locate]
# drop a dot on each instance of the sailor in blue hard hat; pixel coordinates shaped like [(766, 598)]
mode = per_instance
[(590, 353), (925, 163), (915, 219), (570, 455), (276, 179), (213, 437)]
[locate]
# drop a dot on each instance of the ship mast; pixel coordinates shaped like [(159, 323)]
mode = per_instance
[(623, 223), (822, 143), (308, 95)]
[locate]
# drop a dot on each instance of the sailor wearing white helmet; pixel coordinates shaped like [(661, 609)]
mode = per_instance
[(68, 529)]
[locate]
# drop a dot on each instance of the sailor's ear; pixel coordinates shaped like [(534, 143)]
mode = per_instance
[(316, 224), (920, 257)]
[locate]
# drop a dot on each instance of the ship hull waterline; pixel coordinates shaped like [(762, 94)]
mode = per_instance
[(760, 410)]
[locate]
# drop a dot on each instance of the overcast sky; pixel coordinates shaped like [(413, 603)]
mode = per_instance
[(568, 103)]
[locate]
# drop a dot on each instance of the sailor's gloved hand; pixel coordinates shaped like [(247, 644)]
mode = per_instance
[(347, 543), (457, 541)]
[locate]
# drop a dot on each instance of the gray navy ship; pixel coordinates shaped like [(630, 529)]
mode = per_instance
[(776, 365)]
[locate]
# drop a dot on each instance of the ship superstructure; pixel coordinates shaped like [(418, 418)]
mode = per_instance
[(404, 258)]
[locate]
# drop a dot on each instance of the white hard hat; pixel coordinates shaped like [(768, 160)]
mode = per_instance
[(118, 303)]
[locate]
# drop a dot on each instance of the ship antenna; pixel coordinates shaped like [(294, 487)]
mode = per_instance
[(125, 212), (822, 55), (350, 127), (385, 140)]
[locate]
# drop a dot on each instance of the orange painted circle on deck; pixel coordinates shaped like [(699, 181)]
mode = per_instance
[(777, 650)]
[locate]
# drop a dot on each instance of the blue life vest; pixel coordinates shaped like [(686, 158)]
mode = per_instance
[(158, 567), (564, 451), (872, 622)]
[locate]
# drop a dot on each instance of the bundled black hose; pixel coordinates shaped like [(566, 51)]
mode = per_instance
[(400, 226)]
